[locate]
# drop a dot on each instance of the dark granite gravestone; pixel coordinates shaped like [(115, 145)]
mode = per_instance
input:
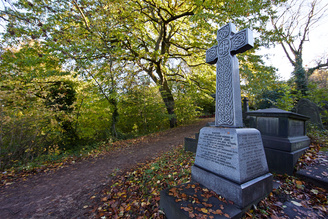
[(307, 108), (317, 172), (245, 110), (190, 144), (284, 137), (230, 160)]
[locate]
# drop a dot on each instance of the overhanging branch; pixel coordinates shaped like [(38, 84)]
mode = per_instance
[(311, 70)]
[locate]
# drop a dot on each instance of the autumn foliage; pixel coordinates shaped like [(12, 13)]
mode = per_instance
[(135, 194)]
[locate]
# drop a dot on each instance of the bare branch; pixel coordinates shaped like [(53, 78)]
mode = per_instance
[(306, 27), (311, 70)]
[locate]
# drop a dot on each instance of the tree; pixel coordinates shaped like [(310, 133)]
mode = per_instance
[(292, 28), (26, 124), (60, 98), (166, 40)]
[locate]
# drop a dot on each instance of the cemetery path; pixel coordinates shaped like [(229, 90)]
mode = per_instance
[(66, 192)]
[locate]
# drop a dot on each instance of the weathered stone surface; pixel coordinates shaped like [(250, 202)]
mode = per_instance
[(283, 162), (173, 209), (228, 110), (286, 144), (190, 144), (317, 172), (310, 109), (277, 122), (235, 154), (231, 162), (242, 195)]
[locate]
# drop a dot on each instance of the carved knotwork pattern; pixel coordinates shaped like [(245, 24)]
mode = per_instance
[(239, 40), (224, 47), (229, 42), (224, 98), (224, 91), (223, 33), (211, 54)]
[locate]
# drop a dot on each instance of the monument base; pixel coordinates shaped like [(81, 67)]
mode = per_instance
[(193, 202), (243, 195), (282, 162), (283, 153), (289, 144), (232, 163)]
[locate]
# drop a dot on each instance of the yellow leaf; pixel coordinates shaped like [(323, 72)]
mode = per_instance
[(128, 208), (204, 210)]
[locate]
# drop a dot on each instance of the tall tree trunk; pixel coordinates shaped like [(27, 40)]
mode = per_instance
[(114, 117), (113, 99), (300, 75), (169, 103)]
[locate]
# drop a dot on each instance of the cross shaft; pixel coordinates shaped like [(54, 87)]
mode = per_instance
[(228, 111)]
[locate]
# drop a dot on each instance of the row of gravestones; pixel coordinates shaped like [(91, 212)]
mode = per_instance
[(283, 135), (284, 140), (231, 160)]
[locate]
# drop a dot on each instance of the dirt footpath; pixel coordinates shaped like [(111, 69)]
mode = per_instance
[(64, 193)]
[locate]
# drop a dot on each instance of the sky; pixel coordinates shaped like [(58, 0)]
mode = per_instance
[(316, 47)]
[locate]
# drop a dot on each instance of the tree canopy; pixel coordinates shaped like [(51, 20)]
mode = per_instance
[(166, 40), (109, 69)]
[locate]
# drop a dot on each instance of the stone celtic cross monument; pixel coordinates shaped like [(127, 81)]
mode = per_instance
[(230, 160), (228, 99)]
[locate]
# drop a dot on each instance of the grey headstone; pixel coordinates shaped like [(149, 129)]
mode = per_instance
[(310, 109), (228, 110), (230, 160), (235, 154)]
